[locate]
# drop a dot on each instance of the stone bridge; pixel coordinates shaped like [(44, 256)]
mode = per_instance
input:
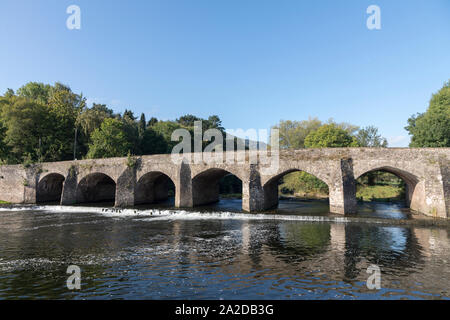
[(146, 179)]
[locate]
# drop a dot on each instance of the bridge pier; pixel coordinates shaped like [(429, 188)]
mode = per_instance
[(271, 196), (69, 190), (30, 183), (342, 192), (125, 188), (183, 187), (253, 192), (445, 172), (431, 196)]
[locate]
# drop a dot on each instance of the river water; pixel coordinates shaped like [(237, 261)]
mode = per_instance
[(298, 251)]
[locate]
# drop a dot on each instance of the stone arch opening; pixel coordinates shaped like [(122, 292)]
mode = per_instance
[(208, 186), (96, 187), (154, 187), (301, 184), (408, 182), (50, 188)]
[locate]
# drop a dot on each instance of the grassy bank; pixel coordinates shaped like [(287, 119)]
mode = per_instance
[(363, 193), (4, 202), (304, 195), (380, 186), (303, 185), (379, 193)]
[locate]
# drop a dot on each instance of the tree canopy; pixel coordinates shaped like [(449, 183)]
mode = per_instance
[(369, 137), (293, 134), (43, 122), (330, 136), (110, 140), (432, 128)]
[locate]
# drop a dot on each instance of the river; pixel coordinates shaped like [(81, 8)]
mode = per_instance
[(298, 251)]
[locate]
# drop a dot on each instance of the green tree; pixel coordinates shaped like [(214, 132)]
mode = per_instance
[(131, 130), (152, 122), (40, 121), (109, 140), (432, 128), (9, 93), (153, 143), (188, 120), (65, 107), (293, 133), (350, 128), (214, 122), (330, 136), (142, 125), (87, 121), (369, 137), (165, 129), (35, 91), (4, 150), (26, 123), (128, 115), (91, 118)]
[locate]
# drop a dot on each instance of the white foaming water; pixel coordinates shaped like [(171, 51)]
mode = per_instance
[(174, 214)]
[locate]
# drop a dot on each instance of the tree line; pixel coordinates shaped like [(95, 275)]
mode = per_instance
[(41, 122), (428, 129)]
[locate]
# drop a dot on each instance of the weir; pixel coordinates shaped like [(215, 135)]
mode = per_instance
[(426, 172)]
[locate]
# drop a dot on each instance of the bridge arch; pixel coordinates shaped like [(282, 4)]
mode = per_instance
[(414, 186), (206, 185), (153, 187), (49, 188), (96, 187), (270, 186)]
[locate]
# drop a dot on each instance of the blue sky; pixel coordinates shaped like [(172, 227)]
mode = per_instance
[(250, 62)]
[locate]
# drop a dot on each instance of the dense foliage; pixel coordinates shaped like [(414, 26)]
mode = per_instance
[(41, 122), (330, 136), (432, 128), (110, 140)]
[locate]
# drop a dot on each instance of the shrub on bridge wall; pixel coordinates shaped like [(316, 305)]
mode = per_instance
[(27, 161), (131, 161), (72, 171)]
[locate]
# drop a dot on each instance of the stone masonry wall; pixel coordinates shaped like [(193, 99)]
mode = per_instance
[(426, 172)]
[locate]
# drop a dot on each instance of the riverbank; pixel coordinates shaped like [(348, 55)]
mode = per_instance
[(364, 193)]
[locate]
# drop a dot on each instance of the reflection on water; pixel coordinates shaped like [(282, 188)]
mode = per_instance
[(389, 210), (138, 257)]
